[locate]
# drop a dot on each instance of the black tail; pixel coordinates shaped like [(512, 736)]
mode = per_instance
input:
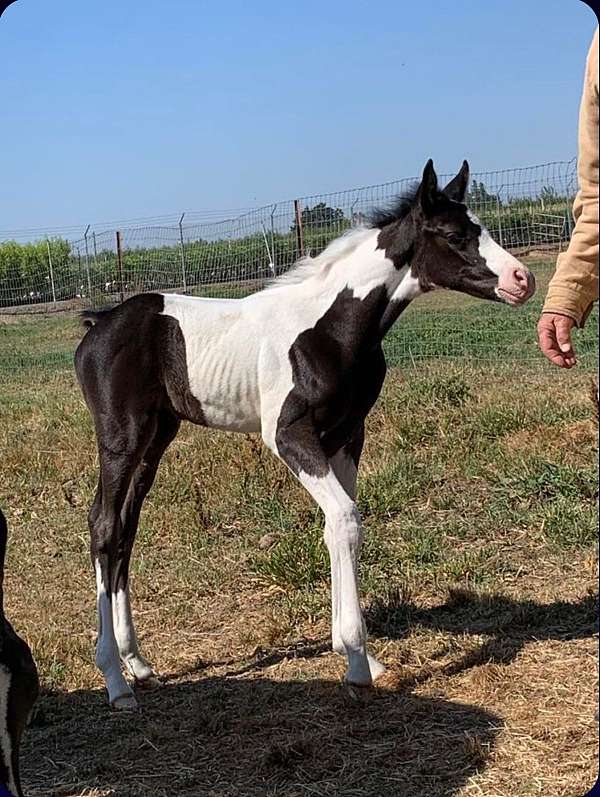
[(91, 317)]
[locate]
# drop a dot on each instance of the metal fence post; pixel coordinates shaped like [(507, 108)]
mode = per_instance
[(87, 263), (120, 266), (299, 230), (568, 219), (500, 236), (273, 209), (571, 166), (51, 271), (267, 247), (183, 270)]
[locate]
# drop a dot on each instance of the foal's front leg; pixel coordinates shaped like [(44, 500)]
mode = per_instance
[(344, 464), (299, 447)]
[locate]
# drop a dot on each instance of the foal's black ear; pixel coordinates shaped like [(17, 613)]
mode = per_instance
[(457, 187), (428, 190)]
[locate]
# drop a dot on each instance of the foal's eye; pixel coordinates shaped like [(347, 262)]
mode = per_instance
[(455, 239)]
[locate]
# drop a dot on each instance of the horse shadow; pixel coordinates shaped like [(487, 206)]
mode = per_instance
[(228, 736), (242, 734), (509, 624)]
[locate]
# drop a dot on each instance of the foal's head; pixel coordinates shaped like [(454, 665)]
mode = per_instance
[(447, 245)]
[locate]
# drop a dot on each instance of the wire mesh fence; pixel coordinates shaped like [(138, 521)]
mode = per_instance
[(525, 209)]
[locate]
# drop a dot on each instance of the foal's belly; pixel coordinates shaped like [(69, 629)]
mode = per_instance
[(226, 385), (240, 418)]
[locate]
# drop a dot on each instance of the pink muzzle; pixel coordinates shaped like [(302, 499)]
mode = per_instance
[(516, 285)]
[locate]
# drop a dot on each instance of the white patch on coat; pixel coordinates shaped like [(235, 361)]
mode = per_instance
[(497, 259), (5, 740), (408, 289), (237, 350), (343, 537), (318, 266)]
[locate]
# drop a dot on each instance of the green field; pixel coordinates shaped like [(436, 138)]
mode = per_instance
[(478, 489), (478, 493), (441, 325)]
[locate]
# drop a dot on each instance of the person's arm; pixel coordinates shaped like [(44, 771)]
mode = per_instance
[(574, 286)]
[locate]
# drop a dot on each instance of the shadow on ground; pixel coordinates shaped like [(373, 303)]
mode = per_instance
[(232, 737), (508, 623)]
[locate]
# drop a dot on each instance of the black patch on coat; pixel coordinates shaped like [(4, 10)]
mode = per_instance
[(441, 246), (132, 369), (133, 359), (397, 228), (338, 369), (392, 313), (398, 241), (16, 657)]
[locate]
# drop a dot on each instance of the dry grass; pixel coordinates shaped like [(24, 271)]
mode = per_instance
[(479, 579)]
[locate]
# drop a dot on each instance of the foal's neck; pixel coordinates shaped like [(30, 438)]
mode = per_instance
[(373, 268), (367, 288)]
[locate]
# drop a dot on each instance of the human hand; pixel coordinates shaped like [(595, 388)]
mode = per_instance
[(554, 336)]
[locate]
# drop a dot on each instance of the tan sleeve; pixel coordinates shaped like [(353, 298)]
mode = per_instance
[(574, 286)]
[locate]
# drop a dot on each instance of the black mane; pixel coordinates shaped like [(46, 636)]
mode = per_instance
[(397, 210)]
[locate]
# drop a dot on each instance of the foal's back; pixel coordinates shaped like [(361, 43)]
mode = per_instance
[(187, 355), (209, 361)]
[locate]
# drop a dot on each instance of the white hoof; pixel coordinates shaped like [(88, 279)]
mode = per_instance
[(139, 669), (363, 673), (376, 667)]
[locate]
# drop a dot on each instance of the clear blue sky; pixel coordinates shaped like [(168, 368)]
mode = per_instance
[(117, 110)]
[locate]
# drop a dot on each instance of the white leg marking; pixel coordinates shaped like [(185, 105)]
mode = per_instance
[(345, 469), (127, 643), (5, 740), (343, 536), (120, 694)]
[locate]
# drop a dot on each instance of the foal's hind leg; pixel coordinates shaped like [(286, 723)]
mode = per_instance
[(143, 478), (120, 453), (107, 656)]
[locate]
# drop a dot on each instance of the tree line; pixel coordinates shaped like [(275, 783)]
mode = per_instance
[(45, 271)]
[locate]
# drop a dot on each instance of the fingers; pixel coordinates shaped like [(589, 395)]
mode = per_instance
[(554, 335), (549, 346), (563, 327), (563, 338)]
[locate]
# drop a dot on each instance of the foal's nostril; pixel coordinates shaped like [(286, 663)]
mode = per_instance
[(521, 277)]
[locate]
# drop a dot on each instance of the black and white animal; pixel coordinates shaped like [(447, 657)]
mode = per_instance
[(301, 362), (19, 688)]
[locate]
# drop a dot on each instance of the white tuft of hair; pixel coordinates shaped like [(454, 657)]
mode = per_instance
[(318, 267)]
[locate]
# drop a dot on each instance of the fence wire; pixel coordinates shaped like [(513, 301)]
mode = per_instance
[(526, 209)]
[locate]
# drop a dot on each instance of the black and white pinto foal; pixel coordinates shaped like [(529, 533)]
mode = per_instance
[(300, 362), (19, 689)]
